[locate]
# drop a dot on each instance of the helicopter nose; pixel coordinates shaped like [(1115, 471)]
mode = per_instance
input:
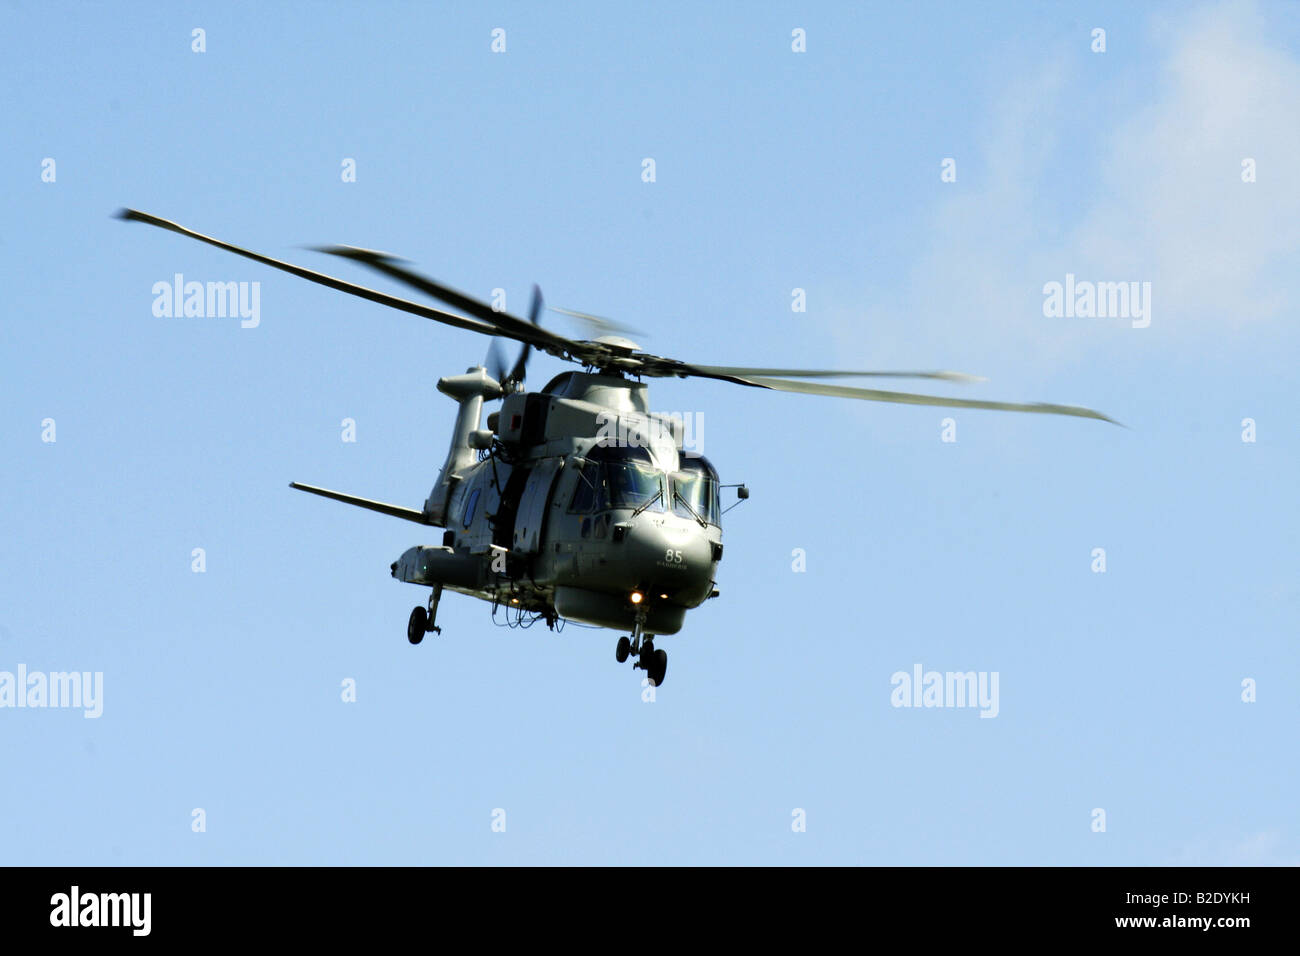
[(671, 561)]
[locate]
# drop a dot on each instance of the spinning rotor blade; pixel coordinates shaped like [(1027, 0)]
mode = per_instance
[(516, 375), (907, 398), (495, 363), (835, 373), (320, 278), (601, 325), (612, 356), (509, 325)]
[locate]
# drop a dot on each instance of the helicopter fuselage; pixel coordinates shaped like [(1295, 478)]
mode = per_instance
[(583, 505)]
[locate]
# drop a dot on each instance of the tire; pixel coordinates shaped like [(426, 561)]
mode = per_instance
[(415, 626), (660, 667), (623, 650)]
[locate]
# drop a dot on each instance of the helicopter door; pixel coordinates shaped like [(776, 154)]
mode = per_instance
[(503, 524), (531, 517), (476, 498)]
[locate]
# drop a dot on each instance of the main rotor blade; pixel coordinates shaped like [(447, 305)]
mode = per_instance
[(603, 356), (320, 278), (600, 324), (835, 373), (520, 330), (907, 398)]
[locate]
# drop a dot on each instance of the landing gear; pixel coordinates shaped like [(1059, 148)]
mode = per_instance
[(653, 662), (416, 625), (421, 621), (661, 668)]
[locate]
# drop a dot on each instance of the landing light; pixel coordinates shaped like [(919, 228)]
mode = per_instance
[(637, 597)]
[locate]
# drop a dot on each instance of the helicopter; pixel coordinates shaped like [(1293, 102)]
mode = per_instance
[(575, 502)]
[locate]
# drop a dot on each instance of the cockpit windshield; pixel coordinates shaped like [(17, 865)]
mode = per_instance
[(695, 491), (615, 477), (632, 484)]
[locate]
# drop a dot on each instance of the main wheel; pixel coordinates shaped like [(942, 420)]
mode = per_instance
[(624, 648), (659, 667), (415, 626)]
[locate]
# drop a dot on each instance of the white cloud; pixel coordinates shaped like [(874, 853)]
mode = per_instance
[(1177, 211), (1154, 194)]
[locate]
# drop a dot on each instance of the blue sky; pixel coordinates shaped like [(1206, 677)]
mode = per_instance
[(775, 170)]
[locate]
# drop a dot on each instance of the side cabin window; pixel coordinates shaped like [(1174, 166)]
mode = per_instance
[(585, 495), (696, 491), (470, 505), (616, 477)]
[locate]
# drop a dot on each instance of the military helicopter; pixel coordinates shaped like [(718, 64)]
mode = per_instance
[(575, 502)]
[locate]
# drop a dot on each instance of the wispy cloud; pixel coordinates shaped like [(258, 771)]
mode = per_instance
[(1220, 250), (1153, 193)]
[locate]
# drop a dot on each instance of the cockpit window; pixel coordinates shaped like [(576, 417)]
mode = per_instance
[(632, 484), (695, 491), (614, 477), (589, 482)]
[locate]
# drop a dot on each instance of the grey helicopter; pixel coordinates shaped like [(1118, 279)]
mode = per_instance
[(575, 502)]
